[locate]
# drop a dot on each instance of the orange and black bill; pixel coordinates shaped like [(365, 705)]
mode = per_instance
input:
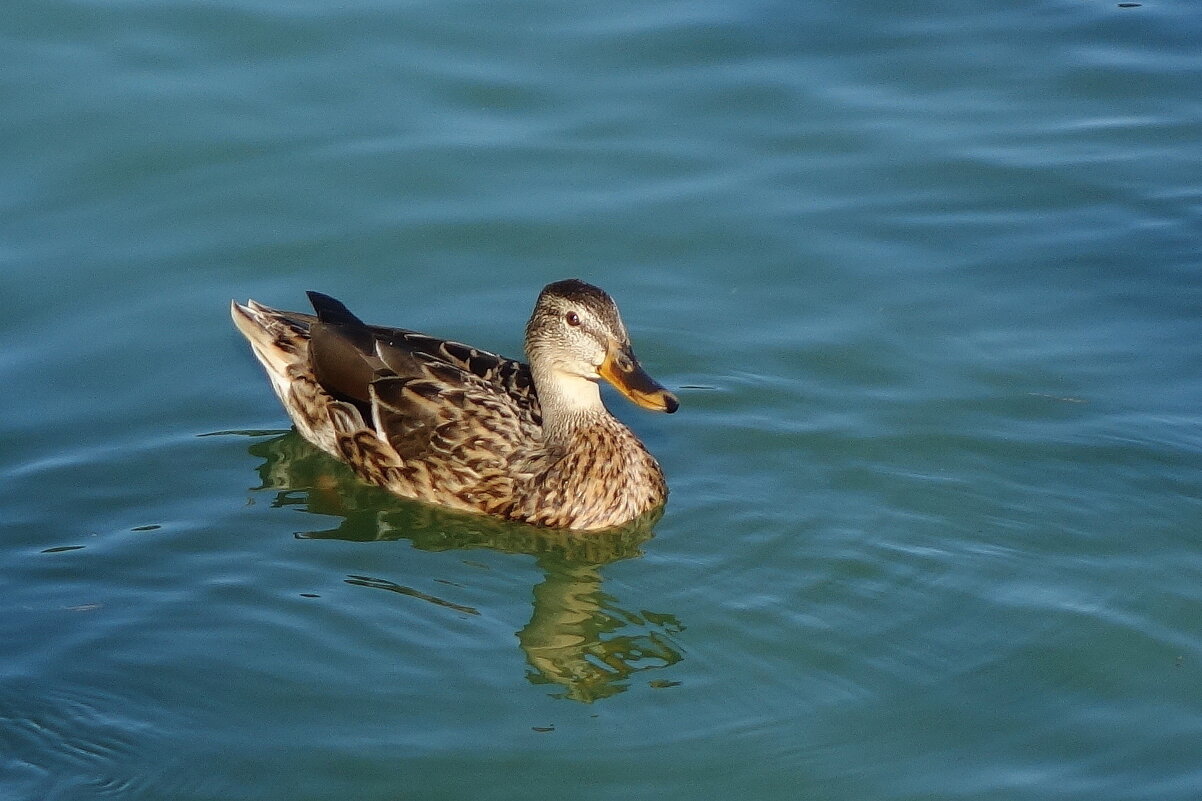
[(621, 369)]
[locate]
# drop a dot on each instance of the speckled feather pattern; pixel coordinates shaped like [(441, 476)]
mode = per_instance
[(461, 429)]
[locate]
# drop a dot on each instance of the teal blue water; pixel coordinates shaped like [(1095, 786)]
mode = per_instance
[(926, 279)]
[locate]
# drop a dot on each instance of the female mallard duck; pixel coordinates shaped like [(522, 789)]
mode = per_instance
[(445, 423)]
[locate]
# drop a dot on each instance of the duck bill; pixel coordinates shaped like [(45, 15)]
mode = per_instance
[(621, 369)]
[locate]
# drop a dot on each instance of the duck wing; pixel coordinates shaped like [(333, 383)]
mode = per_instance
[(348, 355)]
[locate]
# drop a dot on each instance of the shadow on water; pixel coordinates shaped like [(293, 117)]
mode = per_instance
[(578, 637)]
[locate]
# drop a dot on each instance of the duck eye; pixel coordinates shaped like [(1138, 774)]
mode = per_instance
[(572, 319)]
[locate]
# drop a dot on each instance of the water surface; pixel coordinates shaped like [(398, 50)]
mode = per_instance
[(925, 279)]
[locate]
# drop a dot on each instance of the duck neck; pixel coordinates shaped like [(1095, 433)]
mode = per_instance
[(569, 403)]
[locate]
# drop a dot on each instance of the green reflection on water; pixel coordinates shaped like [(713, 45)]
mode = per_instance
[(579, 637)]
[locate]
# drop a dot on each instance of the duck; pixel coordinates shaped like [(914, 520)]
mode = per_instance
[(444, 423)]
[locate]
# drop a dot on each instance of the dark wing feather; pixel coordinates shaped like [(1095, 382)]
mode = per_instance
[(342, 352), (508, 375), (348, 355), (407, 414), (332, 311)]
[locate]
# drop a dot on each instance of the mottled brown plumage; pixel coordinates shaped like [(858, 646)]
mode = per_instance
[(445, 423)]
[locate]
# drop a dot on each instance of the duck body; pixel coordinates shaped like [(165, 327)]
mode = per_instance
[(448, 424)]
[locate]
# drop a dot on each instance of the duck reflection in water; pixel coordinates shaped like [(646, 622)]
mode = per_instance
[(578, 637)]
